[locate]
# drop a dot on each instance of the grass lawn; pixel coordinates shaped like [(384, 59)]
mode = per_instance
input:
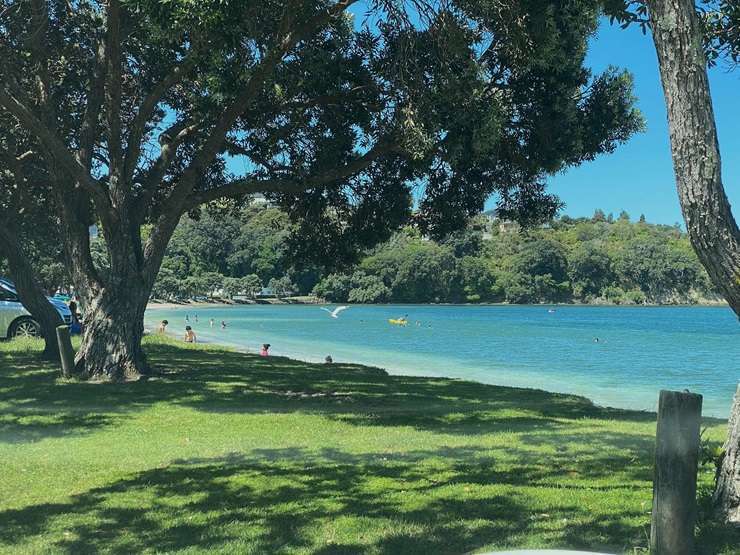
[(232, 453)]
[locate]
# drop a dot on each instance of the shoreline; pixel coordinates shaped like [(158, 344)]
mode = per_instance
[(242, 349), (421, 372), (200, 304)]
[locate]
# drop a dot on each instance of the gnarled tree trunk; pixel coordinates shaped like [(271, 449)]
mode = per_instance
[(113, 328), (711, 227), (114, 298), (30, 291)]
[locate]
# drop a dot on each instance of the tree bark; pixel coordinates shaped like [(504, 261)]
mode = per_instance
[(714, 234), (30, 292), (711, 227), (727, 493), (111, 342)]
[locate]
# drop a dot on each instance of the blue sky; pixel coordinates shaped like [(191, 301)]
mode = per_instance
[(638, 177)]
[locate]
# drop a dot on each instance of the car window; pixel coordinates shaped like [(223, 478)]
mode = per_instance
[(6, 295)]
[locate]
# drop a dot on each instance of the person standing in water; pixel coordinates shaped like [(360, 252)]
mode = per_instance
[(187, 318), (223, 324), (211, 322), (196, 318), (189, 335)]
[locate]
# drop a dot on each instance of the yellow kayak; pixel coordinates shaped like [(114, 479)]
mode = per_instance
[(398, 321)]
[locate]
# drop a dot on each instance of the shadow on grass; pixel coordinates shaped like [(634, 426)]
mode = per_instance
[(282, 500), (35, 404), (286, 500)]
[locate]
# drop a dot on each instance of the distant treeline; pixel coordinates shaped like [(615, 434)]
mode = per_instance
[(593, 260)]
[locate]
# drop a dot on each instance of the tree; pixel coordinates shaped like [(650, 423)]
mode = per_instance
[(678, 37), (139, 107), (477, 279), (685, 45), (30, 292), (21, 188), (334, 288), (589, 269), (281, 286), (368, 289)]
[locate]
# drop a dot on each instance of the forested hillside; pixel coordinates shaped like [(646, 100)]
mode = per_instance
[(593, 260)]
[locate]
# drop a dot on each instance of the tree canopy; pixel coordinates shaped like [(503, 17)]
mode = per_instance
[(141, 111)]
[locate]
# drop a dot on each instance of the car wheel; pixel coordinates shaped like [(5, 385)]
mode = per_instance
[(25, 327)]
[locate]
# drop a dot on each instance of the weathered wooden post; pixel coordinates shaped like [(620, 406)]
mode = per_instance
[(676, 465), (66, 353)]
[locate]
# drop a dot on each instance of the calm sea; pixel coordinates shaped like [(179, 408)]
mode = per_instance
[(639, 350)]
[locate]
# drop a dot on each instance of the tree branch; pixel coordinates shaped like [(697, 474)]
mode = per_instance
[(262, 71), (92, 110), (169, 140), (113, 91), (40, 17), (242, 187), (53, 144), (147, 108)]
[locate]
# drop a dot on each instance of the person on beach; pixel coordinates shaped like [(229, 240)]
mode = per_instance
[(162, 327), (211, 321), (265, 350), (189, 335)]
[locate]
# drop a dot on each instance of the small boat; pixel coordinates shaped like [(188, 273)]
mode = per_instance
[(398, 321)]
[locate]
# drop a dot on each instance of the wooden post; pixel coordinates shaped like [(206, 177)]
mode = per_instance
[(66, 353), (676, 464)]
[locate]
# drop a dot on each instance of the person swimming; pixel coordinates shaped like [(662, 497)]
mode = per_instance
[(189, 335), (328, 359), (265, 350)]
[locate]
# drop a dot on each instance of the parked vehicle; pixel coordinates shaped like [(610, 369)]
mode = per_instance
[(16, 321)]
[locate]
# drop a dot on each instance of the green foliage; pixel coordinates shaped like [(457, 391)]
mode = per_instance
[(582, 260), (368, 289)]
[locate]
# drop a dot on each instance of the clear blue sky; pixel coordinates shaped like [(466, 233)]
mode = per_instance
[(638, 177)]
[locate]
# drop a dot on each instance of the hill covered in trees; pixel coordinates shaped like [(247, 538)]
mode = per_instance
[(590, 260)]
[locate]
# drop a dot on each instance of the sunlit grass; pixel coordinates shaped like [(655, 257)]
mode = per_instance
[(232, 453)]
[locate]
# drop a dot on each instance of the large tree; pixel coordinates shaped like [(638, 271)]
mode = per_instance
[(682, 41), (678, 36), (144, 110)]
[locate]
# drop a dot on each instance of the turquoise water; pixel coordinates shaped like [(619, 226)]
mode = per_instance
[(640, 350)]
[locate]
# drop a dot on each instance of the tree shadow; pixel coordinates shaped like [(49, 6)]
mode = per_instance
[(34, 403), (295, 500), (292, 499)]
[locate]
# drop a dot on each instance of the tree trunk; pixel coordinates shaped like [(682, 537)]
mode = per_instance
[(111, 342), (696, 158), (30, 292), (727, 494), (714, 234)]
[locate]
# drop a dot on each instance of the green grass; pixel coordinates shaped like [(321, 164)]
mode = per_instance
[(231, 453)]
